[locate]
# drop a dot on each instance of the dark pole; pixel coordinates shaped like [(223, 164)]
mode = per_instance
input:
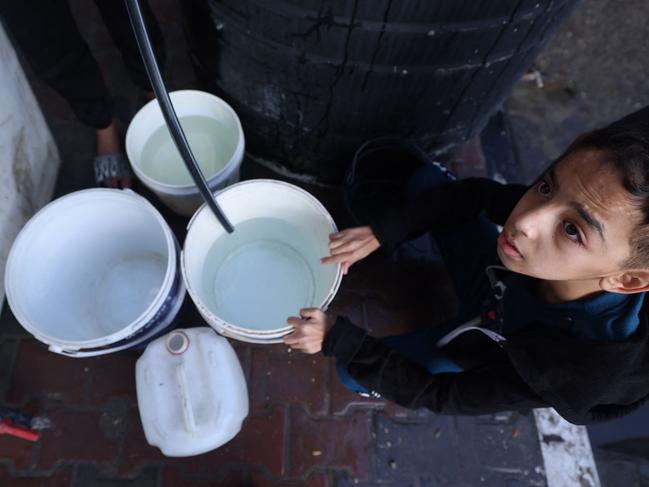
[(152, 69)]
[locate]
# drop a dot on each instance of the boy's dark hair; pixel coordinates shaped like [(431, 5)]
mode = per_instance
[(626, 145)]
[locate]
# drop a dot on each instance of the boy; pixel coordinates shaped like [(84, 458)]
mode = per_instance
[(558, 319)]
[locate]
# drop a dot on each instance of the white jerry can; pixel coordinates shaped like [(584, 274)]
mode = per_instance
[(191, 392)]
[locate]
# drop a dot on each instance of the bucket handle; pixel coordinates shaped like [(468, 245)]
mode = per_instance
[(185, 401), (84, 353)]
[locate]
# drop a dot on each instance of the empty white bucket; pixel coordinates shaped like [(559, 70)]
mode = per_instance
[(215, 136), (94, 272), (246, 284)]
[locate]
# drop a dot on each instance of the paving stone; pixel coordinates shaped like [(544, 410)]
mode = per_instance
[(9, 326), (315, 479), (113, 375), (401, 414), (234, 477), (8, 352), (618, 469), (89, 476), (16, 451), (61, 477), (41, 373), (75, 435), (487, 450), (343, 479), (331, 442), (260, 443), (137, 453), (281, 377), (244, 353), (114, 418), (407, 450), (172, 477)]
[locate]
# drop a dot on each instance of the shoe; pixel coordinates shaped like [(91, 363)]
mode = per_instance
[(111, 170), (370, 394)]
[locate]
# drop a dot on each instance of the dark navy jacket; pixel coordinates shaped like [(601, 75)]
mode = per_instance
[(586, 380)]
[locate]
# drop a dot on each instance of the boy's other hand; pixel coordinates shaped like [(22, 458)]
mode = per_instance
[(310, 330), (350, 246)]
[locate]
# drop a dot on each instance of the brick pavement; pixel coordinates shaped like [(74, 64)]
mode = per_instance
[(304, 427)]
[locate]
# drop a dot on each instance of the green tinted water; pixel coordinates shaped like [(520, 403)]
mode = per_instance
[(212, 142), (263, 273)]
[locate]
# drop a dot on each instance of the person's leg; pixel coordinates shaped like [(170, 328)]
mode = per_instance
[(117, 21), (466, 250), (418, 346), (49, 39), (348, 381)]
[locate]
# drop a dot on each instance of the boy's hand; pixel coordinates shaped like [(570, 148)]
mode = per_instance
[(310, 330), (350, 246)]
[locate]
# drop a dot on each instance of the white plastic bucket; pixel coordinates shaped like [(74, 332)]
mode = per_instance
[(215, 136), (246, 284), (94, 272)]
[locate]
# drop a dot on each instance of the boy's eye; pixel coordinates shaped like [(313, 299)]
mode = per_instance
[(572, 232), (544, 188)]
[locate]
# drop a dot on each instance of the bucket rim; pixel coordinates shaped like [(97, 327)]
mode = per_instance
[(215, 321), (145, 316), (255, 340), (191, 188), (120, 345)]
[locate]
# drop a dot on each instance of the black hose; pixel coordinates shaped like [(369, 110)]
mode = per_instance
[(152, 69)]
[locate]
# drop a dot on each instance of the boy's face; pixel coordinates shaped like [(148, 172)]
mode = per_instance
[(575, 223)]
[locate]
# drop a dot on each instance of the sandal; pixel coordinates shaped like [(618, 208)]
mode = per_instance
[(113, 166)]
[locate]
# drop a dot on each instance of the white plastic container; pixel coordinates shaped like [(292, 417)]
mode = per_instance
[(191, 392), (94, 272), (215, 136), (246, 284)]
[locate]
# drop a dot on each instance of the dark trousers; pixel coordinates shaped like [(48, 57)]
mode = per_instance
[(47, 35), (466, 251)]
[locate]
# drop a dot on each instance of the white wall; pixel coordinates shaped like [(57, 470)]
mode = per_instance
[(29, 160)]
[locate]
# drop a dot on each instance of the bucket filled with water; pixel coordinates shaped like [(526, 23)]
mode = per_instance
[(215, 136), (247, 283), (94, 272)]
